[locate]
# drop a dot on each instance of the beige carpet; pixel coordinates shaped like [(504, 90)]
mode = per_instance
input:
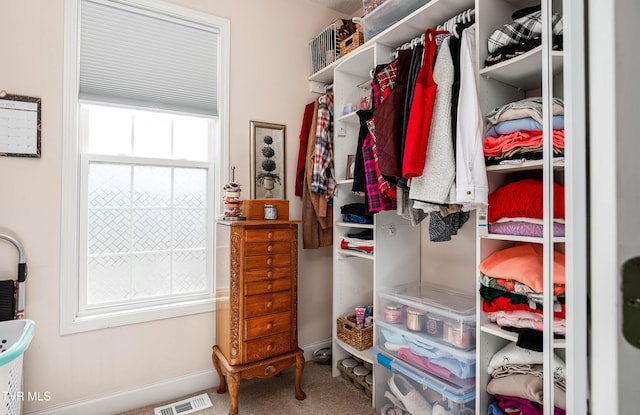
[(325, 395)]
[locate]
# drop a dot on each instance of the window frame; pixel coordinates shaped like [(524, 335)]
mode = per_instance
[(71, 321)]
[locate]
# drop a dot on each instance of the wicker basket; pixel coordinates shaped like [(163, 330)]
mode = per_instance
[(348, 332), (351, 43)]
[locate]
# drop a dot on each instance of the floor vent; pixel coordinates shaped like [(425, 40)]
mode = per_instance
[(186, 406)]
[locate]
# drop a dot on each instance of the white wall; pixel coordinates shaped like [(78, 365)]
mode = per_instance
[(269, 70), (450, 263)]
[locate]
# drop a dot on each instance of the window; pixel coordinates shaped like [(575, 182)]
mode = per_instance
[(143, 154)]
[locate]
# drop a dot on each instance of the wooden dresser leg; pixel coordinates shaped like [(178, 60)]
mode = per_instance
[(216, 364), (234, 384), (300, 395)]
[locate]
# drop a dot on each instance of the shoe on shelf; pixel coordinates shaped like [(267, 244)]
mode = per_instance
[(411, 399), (391, 409), (395, 401), (440, 408)]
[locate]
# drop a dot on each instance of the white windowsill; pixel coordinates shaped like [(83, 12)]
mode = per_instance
[(121, 318)]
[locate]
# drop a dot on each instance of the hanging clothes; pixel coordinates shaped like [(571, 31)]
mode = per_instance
[(317, 215), (388, 117), (359, 183), (302, 149), (472, 188), (323, 177), (414, 70), (454, 46), (380, 192), (434, 184), (376, 200), (419, 122)]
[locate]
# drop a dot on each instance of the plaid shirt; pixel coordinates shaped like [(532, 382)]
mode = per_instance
[(388, 190), (322, 180), (376, 202), (384, 82), (381, 195), (521, 30)]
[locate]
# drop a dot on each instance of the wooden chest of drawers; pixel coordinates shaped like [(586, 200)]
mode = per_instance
[(256, 303), (256, 311)]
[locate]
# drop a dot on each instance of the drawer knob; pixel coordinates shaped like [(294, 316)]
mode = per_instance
[(269, 274), (270, 325), (270, 347), (269, 370), (269, 248), (269, 261), (269, 304), (270, 235), (269, 287)]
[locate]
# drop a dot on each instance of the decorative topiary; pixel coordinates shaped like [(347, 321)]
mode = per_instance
[(268, 164)]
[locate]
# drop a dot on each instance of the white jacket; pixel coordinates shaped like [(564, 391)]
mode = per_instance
[(472, 189)]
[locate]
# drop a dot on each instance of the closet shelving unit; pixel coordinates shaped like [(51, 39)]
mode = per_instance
[(538, 72), (396, 258), (357, 278)]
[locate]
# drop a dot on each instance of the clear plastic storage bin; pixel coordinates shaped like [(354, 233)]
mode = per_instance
[(430, 328), (370, 5), (439, 314), (387, 13), (444, 362), (394, 375), (15, 337)]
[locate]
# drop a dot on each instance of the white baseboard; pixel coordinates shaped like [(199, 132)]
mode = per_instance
[(154, 393), (136, 398)]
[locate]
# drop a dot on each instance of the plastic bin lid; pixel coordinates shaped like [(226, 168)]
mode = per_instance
[(451, 391), (439, 299)]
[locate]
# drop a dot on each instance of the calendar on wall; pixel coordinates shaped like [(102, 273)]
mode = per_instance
[(20, 125)]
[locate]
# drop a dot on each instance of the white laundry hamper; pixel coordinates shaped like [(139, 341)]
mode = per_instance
[(15, 337)]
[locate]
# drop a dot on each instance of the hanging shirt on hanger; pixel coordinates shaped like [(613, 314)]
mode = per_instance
[(302, 150), (472, 189), (419, 121), (434, 183), (388, 118), (359, 182), (323, 179)]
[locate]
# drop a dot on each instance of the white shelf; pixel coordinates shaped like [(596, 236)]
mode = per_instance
[(495, 330), (345, 253), (351, 118), (523, 72), (430, 15), (358, 62), (324, 75), (344, 182), (518, 238), (362, 354), (526, 166), (355, 225)]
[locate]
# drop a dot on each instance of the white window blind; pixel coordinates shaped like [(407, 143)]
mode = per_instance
[(137, 57)]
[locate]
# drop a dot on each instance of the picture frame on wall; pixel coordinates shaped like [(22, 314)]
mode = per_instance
[(268, 157), (351, 166)]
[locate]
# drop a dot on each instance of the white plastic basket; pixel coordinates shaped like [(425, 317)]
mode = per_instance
[(15, 337)]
